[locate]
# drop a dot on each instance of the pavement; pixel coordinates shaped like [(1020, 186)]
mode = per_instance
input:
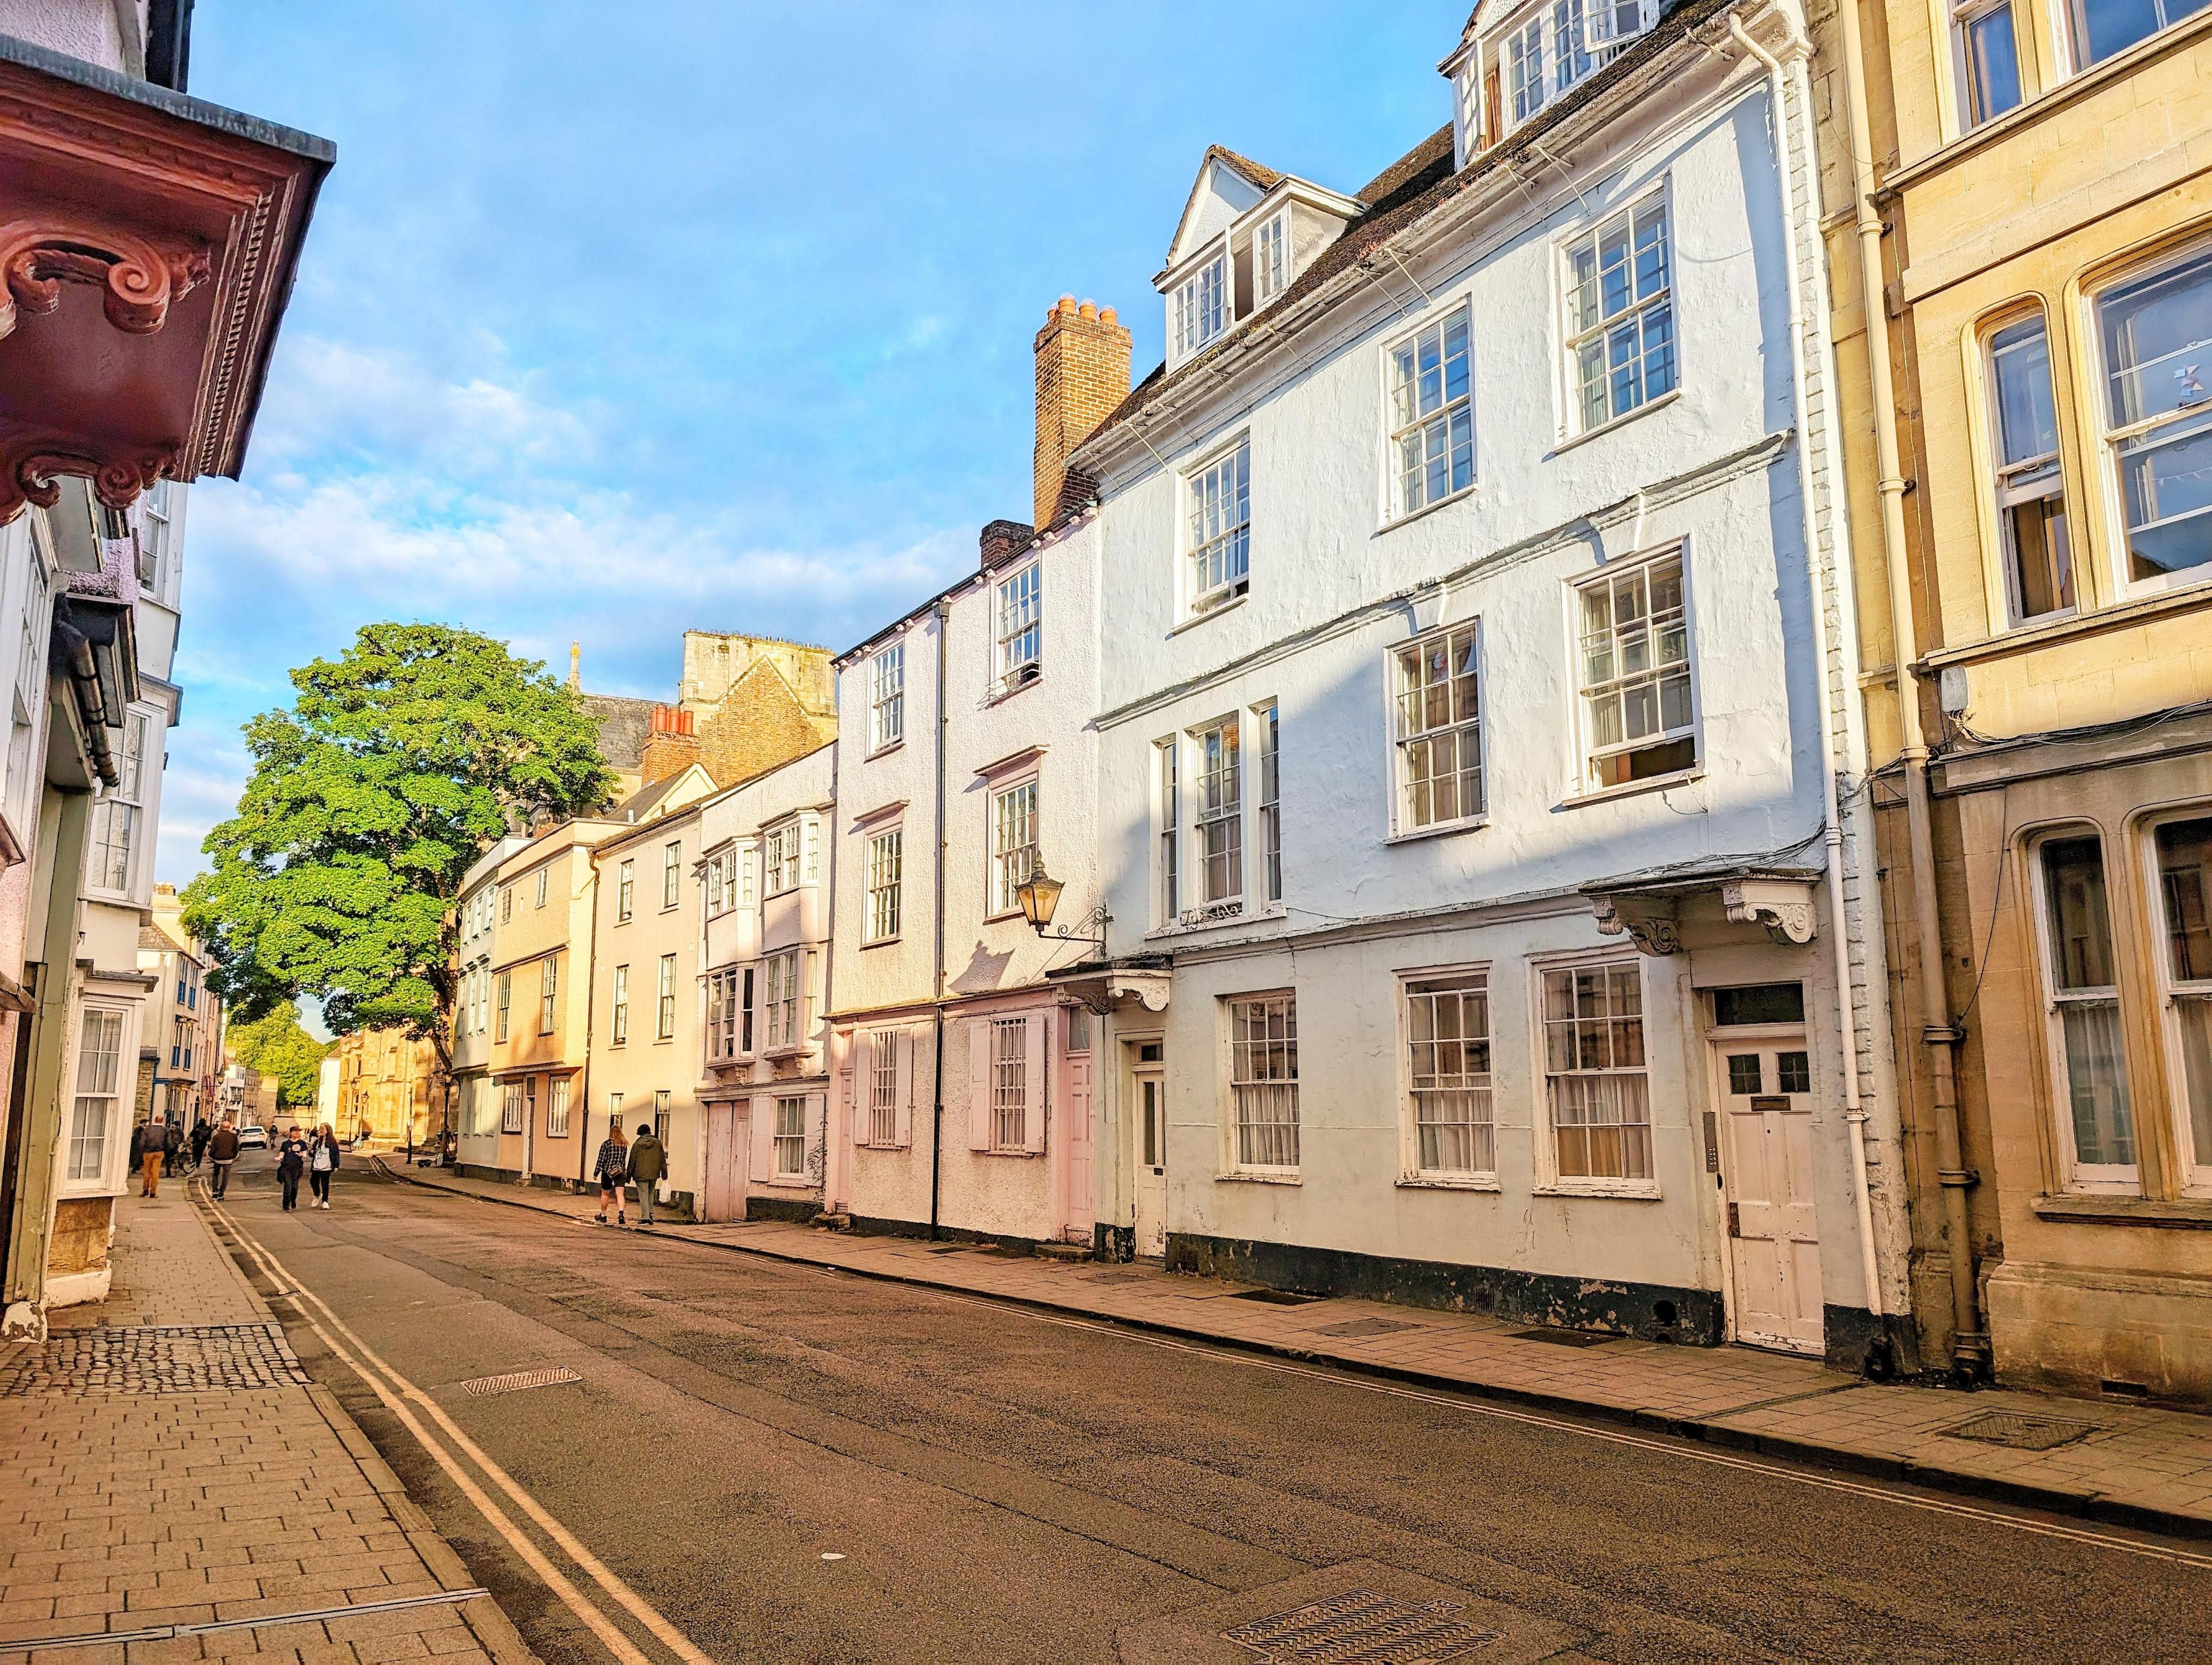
[(173, 1487), (2123, 1464), (787, 1462)]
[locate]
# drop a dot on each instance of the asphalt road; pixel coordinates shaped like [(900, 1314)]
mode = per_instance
[(1002, 1487)]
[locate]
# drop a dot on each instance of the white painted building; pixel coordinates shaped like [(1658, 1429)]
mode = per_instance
[(962, 1104), (763, 928), (1479, 668)]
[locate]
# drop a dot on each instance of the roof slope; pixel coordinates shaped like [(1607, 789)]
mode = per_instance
[(625, 725)]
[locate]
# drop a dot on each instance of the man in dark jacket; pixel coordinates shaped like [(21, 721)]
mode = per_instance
[(200, 1132), (173, 1144), (222, 1151), (648, 1161), (147, 1148)]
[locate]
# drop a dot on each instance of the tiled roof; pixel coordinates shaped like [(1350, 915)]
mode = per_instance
[(625, 725), (1414, 185), (1266, 178)]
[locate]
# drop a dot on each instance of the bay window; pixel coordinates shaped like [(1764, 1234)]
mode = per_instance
[(93, 1115), (782, 1001)]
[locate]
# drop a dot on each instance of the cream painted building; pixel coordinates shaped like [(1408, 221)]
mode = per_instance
[(761, 914)]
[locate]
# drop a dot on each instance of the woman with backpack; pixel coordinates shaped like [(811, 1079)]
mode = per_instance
[(613, 1170), (322, 1163)]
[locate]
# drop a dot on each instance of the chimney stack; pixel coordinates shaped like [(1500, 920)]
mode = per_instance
[(672, 747), (1082, 374), (1002, 540)]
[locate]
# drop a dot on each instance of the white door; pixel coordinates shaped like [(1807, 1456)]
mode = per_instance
[(1149, 1135), (1766, 1182)]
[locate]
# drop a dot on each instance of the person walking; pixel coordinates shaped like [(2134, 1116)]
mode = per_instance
[(222, 1151), (291, 1162), (322, 1163), (201, 1134), (147, 1151), (173, 1144), (648, 1161), (613, 1168)]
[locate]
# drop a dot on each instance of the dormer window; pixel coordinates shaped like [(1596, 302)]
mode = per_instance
[(1545, 51), (1202, 306), (1271, 257)]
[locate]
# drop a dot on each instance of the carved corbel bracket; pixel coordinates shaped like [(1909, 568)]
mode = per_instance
[(29, 474), (1148, 988), (136, 279), (1783, 906), (1649, 922)]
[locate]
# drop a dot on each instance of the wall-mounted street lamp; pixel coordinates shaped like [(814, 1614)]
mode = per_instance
[(1040, 895)]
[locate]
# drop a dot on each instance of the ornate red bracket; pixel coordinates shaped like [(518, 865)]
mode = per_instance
[(136, 279), (29, 476)]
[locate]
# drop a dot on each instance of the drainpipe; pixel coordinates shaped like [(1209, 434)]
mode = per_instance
[(1969, 1344), (937, 1052), (1832, 833)]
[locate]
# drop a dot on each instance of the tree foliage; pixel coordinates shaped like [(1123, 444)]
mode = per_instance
[(279, 1047), (398, 763)]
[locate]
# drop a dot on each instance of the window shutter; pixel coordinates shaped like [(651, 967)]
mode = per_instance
[(979, 1084), (813, 1003), (861, 1094), (1035, 1036), (760, 1137), (903, 1043), (817, 1131)]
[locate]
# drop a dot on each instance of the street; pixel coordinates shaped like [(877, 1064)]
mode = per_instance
[(792, 1465)]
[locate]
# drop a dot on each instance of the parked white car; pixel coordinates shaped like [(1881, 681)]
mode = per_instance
[(258, 1138)]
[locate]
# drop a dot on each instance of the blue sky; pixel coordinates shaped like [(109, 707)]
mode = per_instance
[(618, 319)]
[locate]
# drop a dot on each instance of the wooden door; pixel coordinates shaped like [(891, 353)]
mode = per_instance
[(724, 1180), (1766, 1183)]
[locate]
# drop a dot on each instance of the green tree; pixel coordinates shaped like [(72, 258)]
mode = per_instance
[(398, 763), (278, 1047)]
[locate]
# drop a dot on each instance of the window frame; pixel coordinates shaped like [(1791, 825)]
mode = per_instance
[(75, 1177), (1574, 423), (1230, 727), (664, 1026), (1396, 507), (1010, 1083), (1267, 799), (1965, 16), (2074, 35), (544, 884), (125, 802), (2109, 440), (1402, 823), (1587, 786), (883, 1085), (671, 875), (1273, 260), (2003, 495), (2193, 1164), (548, 993), (1017, 636), (721, 1032), (1474, 976), (1189, 309), (1549, 1179), (626, 891), (783, 1036), (882, 899), (505, 993), (1167, 822), (1201, 600), (1234, 1126), (1549, 20), (2074, 1175), (781, 852), (779, 1139), (1001, 880), (887, 698), (511, 1117), (618, 1007), (556, 1107)]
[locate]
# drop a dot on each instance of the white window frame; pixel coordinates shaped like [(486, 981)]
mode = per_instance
[(548, 993), (625, 890), (671, 876), (1577, 419), (1421, 1071), (618, 1022), (2175, 994), (1267, 1146), (2109, 1178), (1217, 556), (2074, 28), (1267, 799), (780, 868), (557, 1107), (1167, 818), (2113, 439), (2032, 479), (1408, 744), (1588, 751), (1550, 1180), (1012, 862), (884, 904), (783, 975), (788, 1142), (506, 1005), (1223, 784), (1017, 624), (90, 1155), (1202, 307), (887, 698), (664, 1026), (1010, 1083), (1271, 268), (1410, 414), (1568, 40), (716, 905), (116, 858), (510, 1108), (722, 1015), (544, 881)]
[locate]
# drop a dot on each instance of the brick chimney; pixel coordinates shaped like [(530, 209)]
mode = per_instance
[(1002, 540), (1082, 374), (672, 747)]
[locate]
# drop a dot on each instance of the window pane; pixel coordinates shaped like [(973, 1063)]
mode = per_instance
[(2080, 929), (2097, 1083), (2154, 330), (2184, 874), (1992, 64)]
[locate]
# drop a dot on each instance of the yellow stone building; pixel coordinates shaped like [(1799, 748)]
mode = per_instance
[(389, 1090), (2023, 183)]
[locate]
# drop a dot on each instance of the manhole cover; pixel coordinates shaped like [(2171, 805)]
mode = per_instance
[(1361, 1627), (1366, 1327), (1276, 1298), (1564, 1338), (2022, 1433), (485, 1385)]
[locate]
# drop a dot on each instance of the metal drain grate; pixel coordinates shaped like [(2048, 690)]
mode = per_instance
[(1564, 1338), (1367, 1327), (485, 1385), (2022, 1433), (1361, 1627), (1276, 1298)]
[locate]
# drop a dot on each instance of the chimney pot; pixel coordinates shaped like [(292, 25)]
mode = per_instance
[(1066, 307), (1107, 315), (1089, 309)]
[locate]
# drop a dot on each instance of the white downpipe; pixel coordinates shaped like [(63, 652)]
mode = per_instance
[(1832, 836)]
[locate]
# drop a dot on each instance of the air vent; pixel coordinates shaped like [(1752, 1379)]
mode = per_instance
[(1364, 1626)]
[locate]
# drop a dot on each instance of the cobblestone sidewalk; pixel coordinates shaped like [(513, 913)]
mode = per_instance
[(173, 1488), (2125, 1464)]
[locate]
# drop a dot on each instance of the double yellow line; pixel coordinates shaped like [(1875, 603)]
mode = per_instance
[(449, 1446)]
